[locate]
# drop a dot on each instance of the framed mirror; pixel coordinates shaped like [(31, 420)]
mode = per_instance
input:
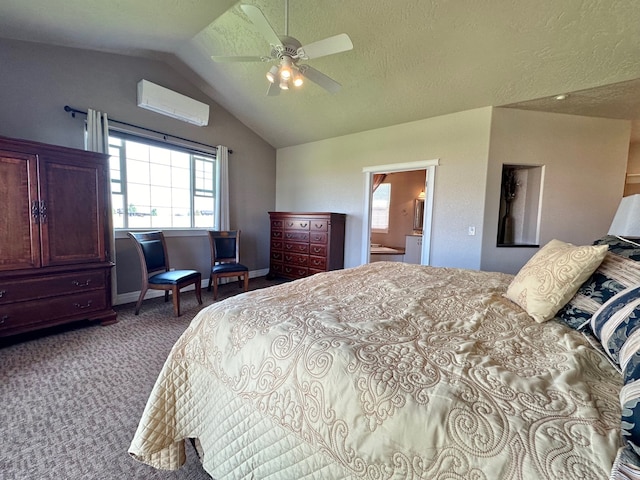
[(418, 214)]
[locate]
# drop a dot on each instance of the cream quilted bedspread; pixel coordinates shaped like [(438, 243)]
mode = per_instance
[(384, 371)]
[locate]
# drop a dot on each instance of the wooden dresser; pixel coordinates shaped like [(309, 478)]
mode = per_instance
[(54, 236), (306, 243)]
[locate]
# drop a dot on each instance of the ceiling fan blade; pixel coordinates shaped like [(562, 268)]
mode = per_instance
[(239, 59), (273, 90), (328, 46), (262, 24), (320, 79)]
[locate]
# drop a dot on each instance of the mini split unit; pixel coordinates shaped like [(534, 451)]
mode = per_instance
[(175, 105)]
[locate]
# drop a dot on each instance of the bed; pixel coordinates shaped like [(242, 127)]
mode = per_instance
[(397, 371)]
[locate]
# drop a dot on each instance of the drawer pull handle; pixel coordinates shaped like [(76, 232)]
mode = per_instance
[(3, 319), (304, 225), (2, 293), (81, 307), (35, 211), (43, 212), (86, 283)]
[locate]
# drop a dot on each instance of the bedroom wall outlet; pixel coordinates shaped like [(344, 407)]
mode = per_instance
[(472, 230)]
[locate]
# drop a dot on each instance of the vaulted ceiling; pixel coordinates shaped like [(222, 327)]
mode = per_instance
[(412, 59)]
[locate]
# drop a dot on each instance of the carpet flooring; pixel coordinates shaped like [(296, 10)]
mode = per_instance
[(71, 397)]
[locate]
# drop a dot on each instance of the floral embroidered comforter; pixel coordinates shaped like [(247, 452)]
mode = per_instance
[(384, 371)]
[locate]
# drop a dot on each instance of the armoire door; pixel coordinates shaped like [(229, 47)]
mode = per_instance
[(19, 227), (73, 205)]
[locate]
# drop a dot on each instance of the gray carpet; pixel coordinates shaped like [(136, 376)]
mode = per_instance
[(71, 397)]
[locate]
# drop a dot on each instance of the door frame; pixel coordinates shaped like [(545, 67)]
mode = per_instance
[(369, 172)]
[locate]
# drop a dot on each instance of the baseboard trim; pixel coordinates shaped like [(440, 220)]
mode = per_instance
[(132, 297)]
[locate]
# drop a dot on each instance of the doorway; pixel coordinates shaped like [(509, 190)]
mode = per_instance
[(428, 167)]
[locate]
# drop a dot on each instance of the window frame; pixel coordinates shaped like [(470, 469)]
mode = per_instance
[(195, 155), (386, 185)]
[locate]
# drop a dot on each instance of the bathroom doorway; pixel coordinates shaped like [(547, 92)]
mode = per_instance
[(405, 235)]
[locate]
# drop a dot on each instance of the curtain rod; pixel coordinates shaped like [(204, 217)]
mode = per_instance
[(73, 112)]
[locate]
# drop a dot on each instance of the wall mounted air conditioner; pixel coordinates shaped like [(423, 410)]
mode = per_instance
[(167, 102)]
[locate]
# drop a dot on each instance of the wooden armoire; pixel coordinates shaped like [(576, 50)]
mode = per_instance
[(54, 237)]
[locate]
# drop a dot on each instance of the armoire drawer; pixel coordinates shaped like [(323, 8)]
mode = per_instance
[(50, 285), (20, 314)]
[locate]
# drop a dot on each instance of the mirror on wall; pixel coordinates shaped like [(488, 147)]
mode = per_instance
[(418, 214)]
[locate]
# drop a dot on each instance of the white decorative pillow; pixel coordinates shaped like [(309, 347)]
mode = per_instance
[(552, 276)]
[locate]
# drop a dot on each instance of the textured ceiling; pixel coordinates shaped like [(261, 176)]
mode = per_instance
[(412, 59)]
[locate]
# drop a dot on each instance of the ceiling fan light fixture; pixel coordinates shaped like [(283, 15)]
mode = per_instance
[(272, 74), (297, 80), (285, 68), (284, 83)]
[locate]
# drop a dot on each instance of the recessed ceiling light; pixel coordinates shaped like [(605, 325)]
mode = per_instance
[(562, 96)]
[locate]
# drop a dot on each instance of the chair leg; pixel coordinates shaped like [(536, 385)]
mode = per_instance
[(166, 295), (175, 291), (215, 288), (199, 290), (246, 281), (209, 286), (143, 292)]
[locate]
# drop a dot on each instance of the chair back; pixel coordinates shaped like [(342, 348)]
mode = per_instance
[(225, 246), (152, 251)]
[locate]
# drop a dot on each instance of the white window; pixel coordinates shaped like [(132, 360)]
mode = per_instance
[(380, 208), (160, 186)]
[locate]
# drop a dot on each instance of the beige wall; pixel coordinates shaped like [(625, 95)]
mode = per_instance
[(327, 176), (37, 81), (584, 163), (584, 158)]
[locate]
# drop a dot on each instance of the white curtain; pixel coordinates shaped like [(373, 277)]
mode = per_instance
[(222, 187), (97, 140)]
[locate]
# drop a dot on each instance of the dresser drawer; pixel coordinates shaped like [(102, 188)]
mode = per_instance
[(295, 272), (276, 268), (297, 224), (276, 244), (277, 224), (20, 314), (296, 259), (318, 250), (296, 247), (320, 225), (296, 236), (318, 237), (49, 286), (318, 263)]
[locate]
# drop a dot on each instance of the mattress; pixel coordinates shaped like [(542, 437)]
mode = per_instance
[(383, 371)]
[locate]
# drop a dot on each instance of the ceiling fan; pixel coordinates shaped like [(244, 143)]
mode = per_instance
[(287, 52)]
